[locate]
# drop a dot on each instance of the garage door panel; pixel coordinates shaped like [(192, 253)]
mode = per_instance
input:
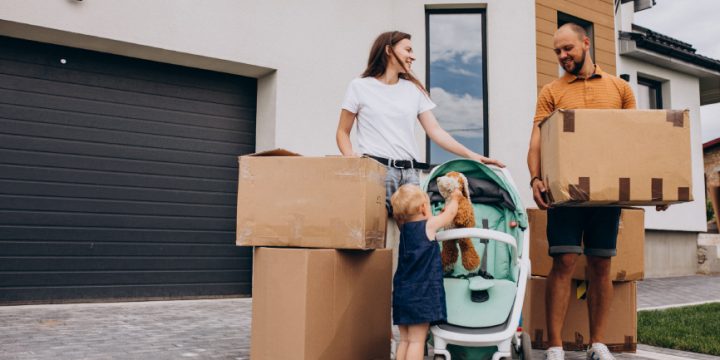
[(141, 277), (122, 235), (127, 97), (69, 76), (39, 128), (161, 119), (242, 124), (110, 263), (47, 218), (42, 248), (54, 145), (145, 181), (104, 206), (206, 173), (24, 295), (45, 188)]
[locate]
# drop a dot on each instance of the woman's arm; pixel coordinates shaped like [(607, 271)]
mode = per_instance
[(447, 142), (342, 136)]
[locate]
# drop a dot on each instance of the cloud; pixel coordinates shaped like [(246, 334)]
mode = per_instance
[(453, 35), (461, 71), (460, 115)]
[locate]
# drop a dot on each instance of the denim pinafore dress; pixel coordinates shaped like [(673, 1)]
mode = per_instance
[(418, 292)]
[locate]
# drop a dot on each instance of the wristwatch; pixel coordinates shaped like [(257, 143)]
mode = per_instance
[(532, 181)]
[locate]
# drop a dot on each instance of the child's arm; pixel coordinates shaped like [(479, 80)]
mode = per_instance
[(446, 217)]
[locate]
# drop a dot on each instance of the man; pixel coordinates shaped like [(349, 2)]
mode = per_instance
[(584, 85)]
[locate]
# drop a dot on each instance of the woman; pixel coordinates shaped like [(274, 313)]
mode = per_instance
[(387, 100)]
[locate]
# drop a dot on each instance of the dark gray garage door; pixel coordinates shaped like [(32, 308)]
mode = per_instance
[(118, 176)]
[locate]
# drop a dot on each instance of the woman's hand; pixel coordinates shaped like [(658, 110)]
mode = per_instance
[(486, 160)]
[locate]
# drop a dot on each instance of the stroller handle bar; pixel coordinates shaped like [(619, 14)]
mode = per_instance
[(454, 234)]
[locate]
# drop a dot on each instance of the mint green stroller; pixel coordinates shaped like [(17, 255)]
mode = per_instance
[(484, 306)]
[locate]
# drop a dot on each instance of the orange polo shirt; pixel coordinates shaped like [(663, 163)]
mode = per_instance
[(599, 91)]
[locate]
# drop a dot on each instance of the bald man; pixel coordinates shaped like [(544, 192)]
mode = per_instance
[(583, 86)]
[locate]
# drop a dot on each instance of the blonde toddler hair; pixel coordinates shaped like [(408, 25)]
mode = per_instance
[(407, 201)]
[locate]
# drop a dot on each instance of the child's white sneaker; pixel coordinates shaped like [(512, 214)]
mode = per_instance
[(599, 351), (555, 353)]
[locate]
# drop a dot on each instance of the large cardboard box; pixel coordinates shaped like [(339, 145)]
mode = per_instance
[(319, 202), (320, 304), (620, 157), (628, 264), (621, 332)]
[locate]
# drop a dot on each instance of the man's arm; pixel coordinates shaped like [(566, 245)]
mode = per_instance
[(533, 160), (545, 106)]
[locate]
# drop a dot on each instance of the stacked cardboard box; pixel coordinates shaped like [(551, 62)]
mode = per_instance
[(616, 157), (627, 267), (320, 291)]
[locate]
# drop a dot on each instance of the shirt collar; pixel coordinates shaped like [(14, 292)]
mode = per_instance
[(596, 74)]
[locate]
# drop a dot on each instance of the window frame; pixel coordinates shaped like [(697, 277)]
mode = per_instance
[(483, 16), (655, 85)]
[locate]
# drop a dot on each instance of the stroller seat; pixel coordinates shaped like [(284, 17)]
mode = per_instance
[(462, 311)]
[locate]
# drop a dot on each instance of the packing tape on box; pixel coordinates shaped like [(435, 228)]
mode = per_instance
[(581, 191), (568, 120), (676, 117)]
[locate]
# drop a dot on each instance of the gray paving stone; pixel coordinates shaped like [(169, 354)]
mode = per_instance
[(220, 328)]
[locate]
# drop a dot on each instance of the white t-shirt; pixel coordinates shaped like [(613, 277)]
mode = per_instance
[(386, 116)]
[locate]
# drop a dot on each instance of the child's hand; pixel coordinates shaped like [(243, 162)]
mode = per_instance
[(457, 194)]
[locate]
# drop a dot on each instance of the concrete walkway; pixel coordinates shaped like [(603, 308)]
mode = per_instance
[(220, 329)]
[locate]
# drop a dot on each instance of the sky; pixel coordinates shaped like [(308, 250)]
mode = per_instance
[(695, 22)]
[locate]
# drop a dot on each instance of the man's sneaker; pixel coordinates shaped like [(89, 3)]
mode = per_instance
[(599, 351), (555, 353)]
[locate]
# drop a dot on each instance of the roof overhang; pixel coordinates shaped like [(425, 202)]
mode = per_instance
[(709, 79)]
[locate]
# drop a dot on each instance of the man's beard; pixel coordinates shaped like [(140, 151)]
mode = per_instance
[(578, 65)]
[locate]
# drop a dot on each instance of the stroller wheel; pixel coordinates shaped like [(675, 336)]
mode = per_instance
[(526, 351)]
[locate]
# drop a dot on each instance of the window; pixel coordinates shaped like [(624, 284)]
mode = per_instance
[(649, 94), (456, 78), (564, 18)]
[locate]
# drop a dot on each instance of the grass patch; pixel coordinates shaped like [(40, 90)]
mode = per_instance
[(691, 328)]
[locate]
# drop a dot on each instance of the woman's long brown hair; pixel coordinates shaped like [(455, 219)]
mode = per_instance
[(379, 60)]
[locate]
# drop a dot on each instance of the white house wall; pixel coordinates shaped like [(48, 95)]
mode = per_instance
[(304, 53), (680, 91)]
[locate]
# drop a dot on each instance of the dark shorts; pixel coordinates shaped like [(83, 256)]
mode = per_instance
[(594, 227)]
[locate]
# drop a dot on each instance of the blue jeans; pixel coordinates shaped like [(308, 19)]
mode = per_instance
[(395, 178)]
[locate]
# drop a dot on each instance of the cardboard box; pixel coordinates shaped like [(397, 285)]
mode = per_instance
[(320, 202), (628, 264), (621, 332), (618, 157), (321, 304)]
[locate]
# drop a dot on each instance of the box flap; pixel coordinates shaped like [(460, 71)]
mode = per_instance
[(275, 152)]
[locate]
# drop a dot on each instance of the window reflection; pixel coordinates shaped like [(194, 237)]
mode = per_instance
[(456, 78)]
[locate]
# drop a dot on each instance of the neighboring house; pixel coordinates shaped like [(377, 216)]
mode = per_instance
[(711, 159), (667, 73), (120, 122)]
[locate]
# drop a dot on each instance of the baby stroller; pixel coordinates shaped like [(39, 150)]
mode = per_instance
[(483, 307)]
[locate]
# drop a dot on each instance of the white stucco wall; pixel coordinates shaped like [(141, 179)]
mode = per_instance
[(304, 53)]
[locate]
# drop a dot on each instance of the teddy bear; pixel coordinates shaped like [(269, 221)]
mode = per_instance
[(465, 218)]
